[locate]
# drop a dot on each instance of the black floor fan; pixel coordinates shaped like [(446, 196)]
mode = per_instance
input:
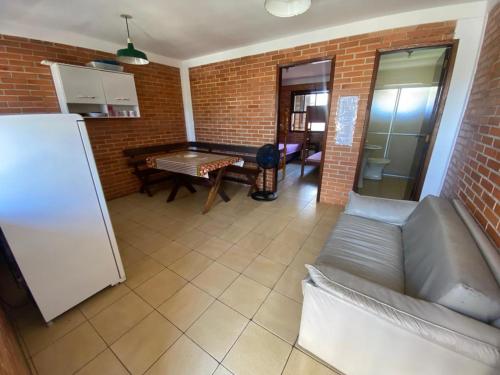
[(268, 157)]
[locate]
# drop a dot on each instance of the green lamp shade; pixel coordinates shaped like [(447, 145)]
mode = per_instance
[(130, 55)]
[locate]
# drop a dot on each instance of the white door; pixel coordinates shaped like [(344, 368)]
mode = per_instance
[(50, 212), (119, 88), (81, 85)]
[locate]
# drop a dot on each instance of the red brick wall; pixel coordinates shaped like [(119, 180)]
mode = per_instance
[(234, 101), (27, 87), (474, 171)]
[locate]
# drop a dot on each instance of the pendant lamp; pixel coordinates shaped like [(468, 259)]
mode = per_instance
[(130, 55)]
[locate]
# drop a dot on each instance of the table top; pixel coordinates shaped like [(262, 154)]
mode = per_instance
[(192, 163)]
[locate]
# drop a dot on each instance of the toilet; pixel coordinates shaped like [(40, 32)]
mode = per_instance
[(369, 150), (374, 168)]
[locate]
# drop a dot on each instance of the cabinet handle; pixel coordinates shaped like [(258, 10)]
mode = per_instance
[(85, 97), (126, 99)]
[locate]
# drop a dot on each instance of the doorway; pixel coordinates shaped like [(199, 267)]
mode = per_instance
[(405, 101), (304, 92)]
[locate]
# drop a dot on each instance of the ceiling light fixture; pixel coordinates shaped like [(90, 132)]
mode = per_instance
[(287, 8), (130, 55)]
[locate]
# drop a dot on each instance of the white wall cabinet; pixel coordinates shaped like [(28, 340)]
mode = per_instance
[(81, 85), (119, 88), (94, 92)]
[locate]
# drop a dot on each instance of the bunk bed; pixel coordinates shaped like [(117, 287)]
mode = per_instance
[(288, 151), (313, 114)]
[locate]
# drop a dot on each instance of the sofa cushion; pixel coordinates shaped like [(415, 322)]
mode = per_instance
[(367, 248), (391, 211), (443, 263)]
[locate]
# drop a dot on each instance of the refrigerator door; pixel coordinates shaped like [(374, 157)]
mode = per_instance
[(50, 211)]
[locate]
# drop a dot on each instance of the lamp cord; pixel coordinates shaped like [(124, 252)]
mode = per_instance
[(128, 32)]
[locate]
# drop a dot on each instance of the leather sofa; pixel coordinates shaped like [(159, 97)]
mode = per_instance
[(403, 287)]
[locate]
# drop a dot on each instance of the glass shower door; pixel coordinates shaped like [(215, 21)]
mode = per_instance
[(410, 130)]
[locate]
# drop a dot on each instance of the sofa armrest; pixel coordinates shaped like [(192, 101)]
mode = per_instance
[(392, 211), (435, 323)]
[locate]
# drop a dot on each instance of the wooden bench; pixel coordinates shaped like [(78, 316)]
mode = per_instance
[(149, 176), (246, 174)]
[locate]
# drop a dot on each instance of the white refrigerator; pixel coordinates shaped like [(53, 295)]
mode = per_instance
[(52, 211)]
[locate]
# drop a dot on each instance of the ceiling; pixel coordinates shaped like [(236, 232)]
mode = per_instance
[(417, 57), (183, 29), (307, 73)]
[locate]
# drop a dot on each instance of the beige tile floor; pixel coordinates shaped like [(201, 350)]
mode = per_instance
[(388, 187), (205, 294)]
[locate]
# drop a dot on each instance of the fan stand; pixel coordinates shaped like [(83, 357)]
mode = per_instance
[(264, 195)]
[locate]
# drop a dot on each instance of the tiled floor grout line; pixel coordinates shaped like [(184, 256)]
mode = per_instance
[(217, 235)]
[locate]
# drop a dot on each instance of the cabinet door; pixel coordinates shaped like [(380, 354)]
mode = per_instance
[(119, 88), (81, 85)]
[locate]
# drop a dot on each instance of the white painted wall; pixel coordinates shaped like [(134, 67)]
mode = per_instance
[(470, 32), (187, 103)]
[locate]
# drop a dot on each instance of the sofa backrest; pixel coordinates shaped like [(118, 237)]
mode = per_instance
[(490, 253), (443, 263)]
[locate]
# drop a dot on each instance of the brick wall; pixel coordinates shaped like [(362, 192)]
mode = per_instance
[(234, 101), (474, 172), (285, 107), (27, 87)]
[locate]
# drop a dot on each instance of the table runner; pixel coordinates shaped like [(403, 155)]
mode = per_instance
[(192, 163)]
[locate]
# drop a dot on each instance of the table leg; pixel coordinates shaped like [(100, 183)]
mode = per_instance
[(188, 185), (214, 190), (223, 195), (175, 188)]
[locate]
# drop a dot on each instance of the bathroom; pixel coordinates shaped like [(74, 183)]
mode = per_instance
[(408, 92)]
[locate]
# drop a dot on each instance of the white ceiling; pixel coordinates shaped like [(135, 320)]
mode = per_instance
[(307, 73), (183, 29), (417, 57)]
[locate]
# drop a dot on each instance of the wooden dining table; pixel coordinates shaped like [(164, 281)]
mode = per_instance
[(201, 168)]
